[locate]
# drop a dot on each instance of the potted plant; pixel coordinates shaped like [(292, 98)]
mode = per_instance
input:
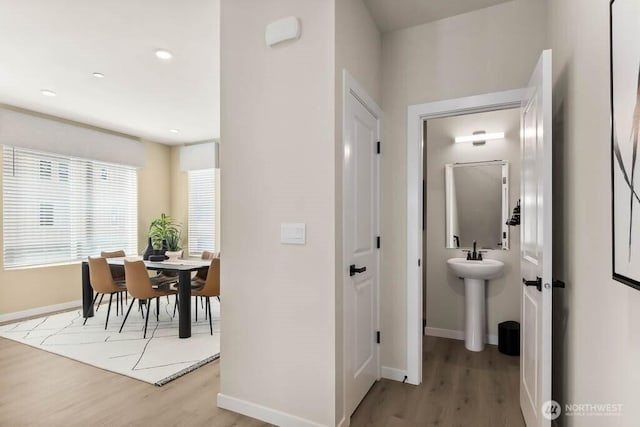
[(165, 230)]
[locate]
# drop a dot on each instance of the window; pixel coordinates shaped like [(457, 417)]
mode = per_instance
[(202, 211), (60, 209)]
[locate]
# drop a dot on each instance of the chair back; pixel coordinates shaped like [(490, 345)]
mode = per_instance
[(117, 271), (207, 255), (138, 282), (100, 276), (212, 285)]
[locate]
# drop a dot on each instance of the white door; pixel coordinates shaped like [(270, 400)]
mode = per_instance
[(535, 354), (360, 209)]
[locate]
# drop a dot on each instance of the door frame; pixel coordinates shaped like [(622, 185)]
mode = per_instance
[(351, 87), (416, 115)]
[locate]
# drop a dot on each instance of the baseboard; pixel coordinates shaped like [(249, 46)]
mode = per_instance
[(455, 335), (344, 422), (39, 311), (263, 413), (392, 374)]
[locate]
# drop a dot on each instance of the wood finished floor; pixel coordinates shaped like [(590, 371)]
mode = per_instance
[(460, 388)]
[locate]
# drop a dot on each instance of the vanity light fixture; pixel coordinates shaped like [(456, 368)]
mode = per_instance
[(47, 92), (164, 54), (176, 131), (480, 137), (98, 75)]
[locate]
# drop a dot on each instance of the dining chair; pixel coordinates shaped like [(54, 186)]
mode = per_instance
[(210, 289), (140, 287), (166, 278), (102, 283), (117, 272)]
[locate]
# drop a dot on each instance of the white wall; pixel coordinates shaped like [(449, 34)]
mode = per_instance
[(489, 50), (358, 50), (596, 320), (277, 165), (445, 291)]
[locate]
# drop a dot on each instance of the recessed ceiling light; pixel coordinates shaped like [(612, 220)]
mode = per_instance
[(174, 130), (164, 54), (47, 92), (98, 75)]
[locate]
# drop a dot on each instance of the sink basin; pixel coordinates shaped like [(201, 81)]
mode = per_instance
[(479, 270), (475, 275)]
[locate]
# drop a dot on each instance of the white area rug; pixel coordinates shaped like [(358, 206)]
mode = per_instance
[(158, 359)]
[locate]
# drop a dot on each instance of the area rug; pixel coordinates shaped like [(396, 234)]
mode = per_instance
[(158, 359)]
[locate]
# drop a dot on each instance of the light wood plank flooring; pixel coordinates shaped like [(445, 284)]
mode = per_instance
[(459, 388), (42, 389)]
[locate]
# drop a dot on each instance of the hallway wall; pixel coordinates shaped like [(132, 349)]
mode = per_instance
[(596, 319)]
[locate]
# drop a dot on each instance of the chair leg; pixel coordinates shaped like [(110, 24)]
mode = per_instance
[(196, 304), (218, 296), (202, 302), (93, 303), (140, 309), (175, 306), (99, 302), (158, 309), (108, 311), (146, 322), (209, 309), (117, 302), (127, 315)]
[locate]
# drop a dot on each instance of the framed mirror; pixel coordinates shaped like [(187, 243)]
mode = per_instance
[(477, 205)]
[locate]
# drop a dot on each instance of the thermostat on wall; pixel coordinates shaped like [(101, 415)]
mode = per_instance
[(282, 30)]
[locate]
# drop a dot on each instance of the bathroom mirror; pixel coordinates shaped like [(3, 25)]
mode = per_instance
[(477, 205)]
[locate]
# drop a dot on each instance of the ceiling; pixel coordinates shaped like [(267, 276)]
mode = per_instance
[(58, 45), (391, 15)]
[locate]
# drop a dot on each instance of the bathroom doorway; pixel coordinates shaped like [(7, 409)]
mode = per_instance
[(470, 192)]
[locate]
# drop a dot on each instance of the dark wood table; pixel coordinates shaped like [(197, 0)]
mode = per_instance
[(184, 268)]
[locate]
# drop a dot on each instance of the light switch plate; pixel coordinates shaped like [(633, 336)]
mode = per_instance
[(293, 233)]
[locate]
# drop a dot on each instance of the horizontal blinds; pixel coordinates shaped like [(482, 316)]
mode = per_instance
[(59, 209), (202, 211)]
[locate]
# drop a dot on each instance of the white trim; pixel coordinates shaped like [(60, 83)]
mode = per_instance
[(416, 114), (344, 422), (262, 413), (352, 87), (456, 335), (393, 373), (7, 317)]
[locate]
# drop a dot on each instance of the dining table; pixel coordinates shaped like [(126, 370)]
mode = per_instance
[(183, 268)]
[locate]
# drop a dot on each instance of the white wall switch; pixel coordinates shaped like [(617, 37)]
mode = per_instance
[(293, 233)]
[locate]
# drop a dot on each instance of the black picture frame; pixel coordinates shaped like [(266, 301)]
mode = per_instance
[(625, 167)]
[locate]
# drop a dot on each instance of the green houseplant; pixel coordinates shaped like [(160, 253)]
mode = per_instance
[(165, 228)]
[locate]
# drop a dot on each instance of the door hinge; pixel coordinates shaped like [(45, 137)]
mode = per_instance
[(377, 337), (378, 242), (378, 147)]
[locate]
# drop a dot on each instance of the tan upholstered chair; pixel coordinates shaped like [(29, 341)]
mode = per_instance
[(117, 272), (211, 288), (166, 278), (102, 282), (201, 275), (139, 286)]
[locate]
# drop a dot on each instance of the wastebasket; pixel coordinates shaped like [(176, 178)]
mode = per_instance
[(509, 338)]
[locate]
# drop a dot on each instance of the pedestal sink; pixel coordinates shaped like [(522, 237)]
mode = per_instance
[(475, 275)]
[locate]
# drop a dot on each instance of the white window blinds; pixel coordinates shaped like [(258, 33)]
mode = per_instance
[(202, 211), (59, 209)]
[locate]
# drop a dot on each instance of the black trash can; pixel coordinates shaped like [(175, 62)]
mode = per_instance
[(509, 338)]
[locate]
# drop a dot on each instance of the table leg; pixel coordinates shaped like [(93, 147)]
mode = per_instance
[(87, 291), (184, 301)]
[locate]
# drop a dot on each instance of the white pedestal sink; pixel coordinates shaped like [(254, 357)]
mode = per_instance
[(475, 275)]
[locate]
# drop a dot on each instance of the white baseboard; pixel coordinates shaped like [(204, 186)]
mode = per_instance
[(39, 311), (393, 374), (344, 422), (455, 335), (263, 413)]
